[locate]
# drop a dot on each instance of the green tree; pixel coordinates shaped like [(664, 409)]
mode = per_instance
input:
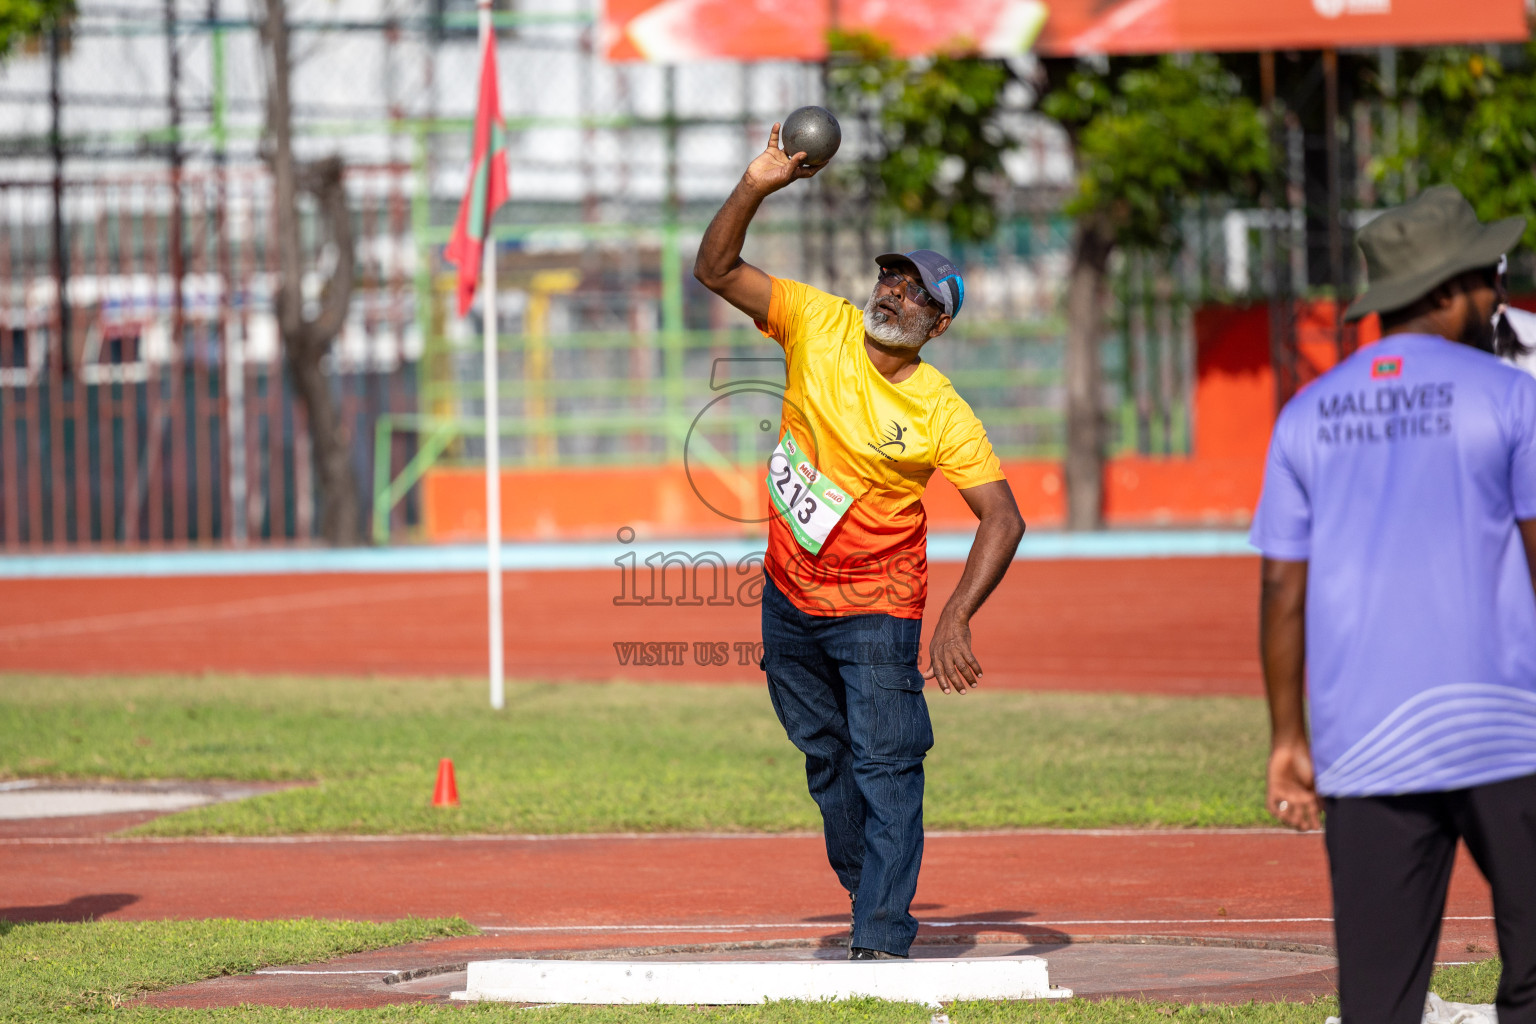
[(308, 337), (1149, 136), (939, 128), (27, 19), (1475, 128)]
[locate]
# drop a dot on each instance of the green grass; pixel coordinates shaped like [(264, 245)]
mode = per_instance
[(62, 969), (1468, 983), (93, 971), (598, 758)]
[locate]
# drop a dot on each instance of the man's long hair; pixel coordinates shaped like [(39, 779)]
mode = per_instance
[(1506, 343)]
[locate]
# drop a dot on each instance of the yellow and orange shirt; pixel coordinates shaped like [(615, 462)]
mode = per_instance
[(878, 443)]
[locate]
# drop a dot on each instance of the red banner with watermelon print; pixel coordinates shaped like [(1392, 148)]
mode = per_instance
[(669, 31)]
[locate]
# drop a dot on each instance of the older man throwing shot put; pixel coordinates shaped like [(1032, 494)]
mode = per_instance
[(865, 423)]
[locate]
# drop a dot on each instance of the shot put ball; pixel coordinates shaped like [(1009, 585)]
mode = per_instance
[(814, 132)]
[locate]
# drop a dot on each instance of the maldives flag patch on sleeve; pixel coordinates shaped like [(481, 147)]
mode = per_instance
[(1385, 367)]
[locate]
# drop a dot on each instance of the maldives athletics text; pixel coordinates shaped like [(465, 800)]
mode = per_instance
[(1392, 413)]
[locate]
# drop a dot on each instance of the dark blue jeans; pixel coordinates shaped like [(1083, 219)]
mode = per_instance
[(850, 696)]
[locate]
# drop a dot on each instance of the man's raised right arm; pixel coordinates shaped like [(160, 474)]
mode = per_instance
[(719, 266)]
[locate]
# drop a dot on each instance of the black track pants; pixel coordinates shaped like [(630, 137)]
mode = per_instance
[(1390, 861)]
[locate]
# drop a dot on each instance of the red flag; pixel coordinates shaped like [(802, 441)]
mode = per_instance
[(487, 187)]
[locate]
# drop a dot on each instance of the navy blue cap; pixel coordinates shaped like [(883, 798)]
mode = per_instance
[(939, 275)]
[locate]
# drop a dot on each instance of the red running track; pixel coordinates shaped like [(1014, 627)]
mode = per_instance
[(1173, 626), (589, 892), (1176, 626)]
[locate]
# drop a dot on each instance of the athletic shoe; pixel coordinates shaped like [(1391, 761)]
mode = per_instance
[(860, 953)]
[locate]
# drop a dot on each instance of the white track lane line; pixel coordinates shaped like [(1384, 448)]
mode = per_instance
[(382, 970), (639, 837), (238, 609), (833, 926)]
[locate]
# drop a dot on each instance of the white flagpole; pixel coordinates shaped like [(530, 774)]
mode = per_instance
[(492, 437)]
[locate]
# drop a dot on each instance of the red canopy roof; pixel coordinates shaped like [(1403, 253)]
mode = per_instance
[(682, 30)]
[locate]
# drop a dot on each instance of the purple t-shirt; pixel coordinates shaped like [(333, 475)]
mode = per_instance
[(1398, 477)]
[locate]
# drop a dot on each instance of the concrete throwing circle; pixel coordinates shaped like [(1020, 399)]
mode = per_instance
[(27, 799), (1162, 968)]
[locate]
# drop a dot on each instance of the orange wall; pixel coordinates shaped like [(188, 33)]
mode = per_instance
[(1218, 484), (575, 504)]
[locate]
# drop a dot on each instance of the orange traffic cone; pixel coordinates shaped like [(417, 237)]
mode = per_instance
[(447, 792)]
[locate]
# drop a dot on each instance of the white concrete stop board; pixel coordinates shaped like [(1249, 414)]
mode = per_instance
[(724, 982), (70, 803)]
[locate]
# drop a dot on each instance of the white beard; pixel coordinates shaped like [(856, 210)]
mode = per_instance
[(913, 333)]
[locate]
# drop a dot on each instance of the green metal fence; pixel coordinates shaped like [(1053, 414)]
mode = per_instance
[(574, 397), (631, 399)]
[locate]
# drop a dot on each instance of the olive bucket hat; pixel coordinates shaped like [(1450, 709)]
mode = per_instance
[(1412, 249)]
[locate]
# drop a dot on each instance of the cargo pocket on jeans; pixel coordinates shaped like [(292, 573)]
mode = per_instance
[(898, 677), (902, 733)]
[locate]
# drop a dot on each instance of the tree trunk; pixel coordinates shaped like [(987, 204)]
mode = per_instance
[(340, 512), (1087, 292), (306, 341)]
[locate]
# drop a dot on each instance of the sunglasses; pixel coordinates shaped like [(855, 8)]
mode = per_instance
[(916, 293)]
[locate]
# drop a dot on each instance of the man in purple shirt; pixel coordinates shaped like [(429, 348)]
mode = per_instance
[(1398, 527)]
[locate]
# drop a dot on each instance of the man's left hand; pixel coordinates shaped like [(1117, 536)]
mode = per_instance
[(950, 660), (1292, 795)]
